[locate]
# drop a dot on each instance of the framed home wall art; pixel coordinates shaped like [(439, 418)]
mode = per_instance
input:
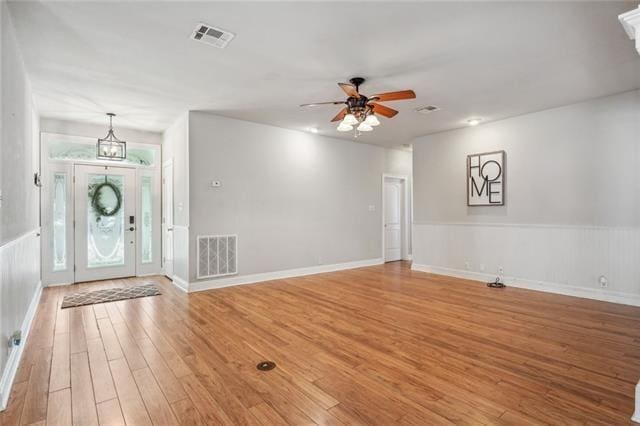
[(485, 179)]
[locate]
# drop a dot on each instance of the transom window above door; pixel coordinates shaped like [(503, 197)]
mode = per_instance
[(84, 149)]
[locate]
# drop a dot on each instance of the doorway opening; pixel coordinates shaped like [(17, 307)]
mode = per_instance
[(396, 213)]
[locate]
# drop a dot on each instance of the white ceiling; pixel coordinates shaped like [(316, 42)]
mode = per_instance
[(486, 59)]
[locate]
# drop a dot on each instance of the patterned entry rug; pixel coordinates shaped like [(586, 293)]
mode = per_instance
[(109, 295)]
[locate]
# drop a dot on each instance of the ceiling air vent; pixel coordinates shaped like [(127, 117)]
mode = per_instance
[(211, 35), (428, 109)]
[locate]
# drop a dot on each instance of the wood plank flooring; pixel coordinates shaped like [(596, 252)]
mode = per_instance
[(379, 345)]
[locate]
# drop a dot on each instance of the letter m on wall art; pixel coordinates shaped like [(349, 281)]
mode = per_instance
[(485, 179)]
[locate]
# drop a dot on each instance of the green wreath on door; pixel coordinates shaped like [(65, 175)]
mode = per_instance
[(95, 193)]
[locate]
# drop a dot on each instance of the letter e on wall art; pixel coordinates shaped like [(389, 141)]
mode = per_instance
[(485, 179)]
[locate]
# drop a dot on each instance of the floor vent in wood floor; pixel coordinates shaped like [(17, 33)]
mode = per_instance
[(266, 365)]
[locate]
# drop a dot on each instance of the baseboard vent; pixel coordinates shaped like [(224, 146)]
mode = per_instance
[(217, 255)]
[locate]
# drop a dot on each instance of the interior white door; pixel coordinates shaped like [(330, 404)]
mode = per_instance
[(167, 219), (104, 220), (392, 220)]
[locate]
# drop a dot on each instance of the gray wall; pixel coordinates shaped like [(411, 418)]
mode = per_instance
[(398, 162), (294, 199), (19, 159), (572, 196), (75, 128), (577, 165), (19, 156)]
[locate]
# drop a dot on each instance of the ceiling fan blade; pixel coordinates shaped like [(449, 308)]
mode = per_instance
[(350, 89), (394, 96), (323, 103), (383, 110), (340, 115)]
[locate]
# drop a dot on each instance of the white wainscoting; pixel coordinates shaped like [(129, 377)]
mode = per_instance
[(555, 258), (181, 257), (20, 289)]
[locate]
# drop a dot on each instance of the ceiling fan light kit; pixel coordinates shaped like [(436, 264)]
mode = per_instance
[(349, 120), (372, 120), (360, 112)]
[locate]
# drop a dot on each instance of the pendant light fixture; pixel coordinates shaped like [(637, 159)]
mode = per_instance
[(110, 147)]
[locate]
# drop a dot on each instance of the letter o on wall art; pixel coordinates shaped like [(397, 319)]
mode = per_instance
[(485, 179)]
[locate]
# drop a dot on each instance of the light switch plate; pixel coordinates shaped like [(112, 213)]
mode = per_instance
[(372, 208), (216, 184)]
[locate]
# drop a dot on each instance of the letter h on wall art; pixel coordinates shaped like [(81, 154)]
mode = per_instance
[(485, 179)]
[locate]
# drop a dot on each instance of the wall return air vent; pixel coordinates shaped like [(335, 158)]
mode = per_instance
[(217, 255), (211, 35)]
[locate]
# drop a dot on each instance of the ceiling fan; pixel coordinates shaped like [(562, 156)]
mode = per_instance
[(360, 111)]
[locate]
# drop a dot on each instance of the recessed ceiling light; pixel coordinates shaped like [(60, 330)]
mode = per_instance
[(474, 121), (313, 129)]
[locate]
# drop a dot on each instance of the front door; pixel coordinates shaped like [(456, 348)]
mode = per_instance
[(392, 220), (104, 220)]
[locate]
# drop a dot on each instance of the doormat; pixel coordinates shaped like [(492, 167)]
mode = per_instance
[(109, 295)]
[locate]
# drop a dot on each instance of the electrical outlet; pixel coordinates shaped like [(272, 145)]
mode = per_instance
[(500, 270), (319, 260), (604, 283), (482, 267), (15, 339), (216, 184), (467, 265)]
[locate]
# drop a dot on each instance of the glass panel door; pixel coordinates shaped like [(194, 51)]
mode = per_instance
[(105, 222), (146, 218)]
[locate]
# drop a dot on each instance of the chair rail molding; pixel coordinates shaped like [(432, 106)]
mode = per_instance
[(631, 23)]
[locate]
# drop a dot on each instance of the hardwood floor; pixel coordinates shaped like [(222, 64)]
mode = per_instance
[(378, 345)]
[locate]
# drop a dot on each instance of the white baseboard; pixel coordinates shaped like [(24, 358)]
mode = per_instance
[(636, 414), (9, 374), (276, 275), (567, 290), (150, 274), (180, 284), (58, 284)]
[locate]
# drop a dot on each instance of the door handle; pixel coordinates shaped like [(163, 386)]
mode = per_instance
[(132, 229), (170, 229)]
